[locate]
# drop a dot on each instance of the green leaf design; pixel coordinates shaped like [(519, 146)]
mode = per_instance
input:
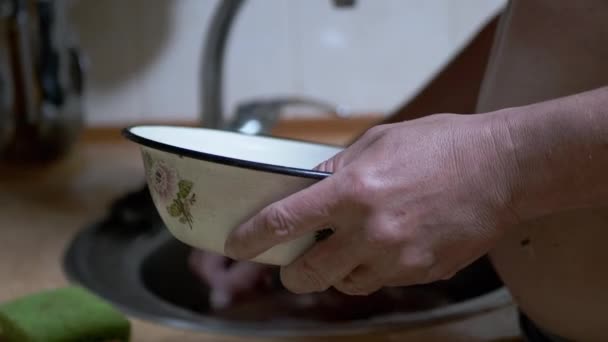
[(184, 188), (175, 209), (183, 220)]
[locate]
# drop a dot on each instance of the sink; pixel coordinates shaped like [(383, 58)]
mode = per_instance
[(131, 260)]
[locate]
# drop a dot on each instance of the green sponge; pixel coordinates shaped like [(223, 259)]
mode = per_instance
[(69, 314)]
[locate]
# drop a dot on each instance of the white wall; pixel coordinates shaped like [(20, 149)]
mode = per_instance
[(144, 54)]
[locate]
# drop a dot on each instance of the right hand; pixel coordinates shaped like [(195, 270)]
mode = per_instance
[(229, 281), (410, 203)]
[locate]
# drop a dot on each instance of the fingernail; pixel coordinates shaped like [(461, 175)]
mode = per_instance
[(231, 246), (219, 299), (229, 249)]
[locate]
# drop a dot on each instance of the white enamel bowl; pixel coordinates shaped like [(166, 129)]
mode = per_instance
[(205, 182)]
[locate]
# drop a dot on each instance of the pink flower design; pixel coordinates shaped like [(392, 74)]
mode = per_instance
[(163, 180)]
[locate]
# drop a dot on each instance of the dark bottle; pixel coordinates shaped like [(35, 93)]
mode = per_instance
[(41, 81)]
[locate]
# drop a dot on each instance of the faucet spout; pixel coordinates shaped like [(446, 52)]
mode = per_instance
[(262, 116), (211, 78)]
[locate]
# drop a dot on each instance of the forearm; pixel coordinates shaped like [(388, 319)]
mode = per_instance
[(558, 154)]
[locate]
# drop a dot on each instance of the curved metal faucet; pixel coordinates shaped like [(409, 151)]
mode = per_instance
[(213, 62), (253, 117)]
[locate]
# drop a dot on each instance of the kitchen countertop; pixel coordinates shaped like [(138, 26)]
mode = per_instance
[(43, 207)]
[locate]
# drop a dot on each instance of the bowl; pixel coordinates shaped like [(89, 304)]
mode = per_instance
[(205, 182)]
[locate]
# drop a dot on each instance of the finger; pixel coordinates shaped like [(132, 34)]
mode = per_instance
[(209, 267), (237, 281), (303, 212), (429, 273), (407, 281), (243, 276), (346, 156), (370, 135), (326, 263), (299, 213), (413, 276), (338, 161), (332, 164), (220, 299), (362, 281)]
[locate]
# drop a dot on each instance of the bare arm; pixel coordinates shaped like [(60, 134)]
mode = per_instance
[(415, 202), (560, 149)]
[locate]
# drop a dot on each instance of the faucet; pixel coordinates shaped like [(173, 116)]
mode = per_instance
[(255, 116)]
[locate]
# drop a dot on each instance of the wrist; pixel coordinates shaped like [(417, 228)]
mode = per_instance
[(554, 152), (504, 176), (522, 146), (510, 149)]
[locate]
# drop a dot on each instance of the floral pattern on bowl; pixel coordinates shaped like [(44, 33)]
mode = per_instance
[(172, 191)]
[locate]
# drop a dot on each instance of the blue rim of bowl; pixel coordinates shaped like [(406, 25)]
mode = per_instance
[(245, 164)]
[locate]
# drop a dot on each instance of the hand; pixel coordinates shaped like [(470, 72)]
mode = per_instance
[(229, 282), (410, 203)]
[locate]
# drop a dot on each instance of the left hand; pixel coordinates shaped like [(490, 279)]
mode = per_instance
[(410, 203), (229, 282)]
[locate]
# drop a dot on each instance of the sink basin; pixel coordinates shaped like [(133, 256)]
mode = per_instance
[(143, 271)]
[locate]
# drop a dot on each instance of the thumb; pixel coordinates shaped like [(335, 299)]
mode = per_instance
[(298, 214), (208, 267), (240, 280), (219, 298)]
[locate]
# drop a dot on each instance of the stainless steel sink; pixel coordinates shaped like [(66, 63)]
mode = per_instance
[(131, 260)]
